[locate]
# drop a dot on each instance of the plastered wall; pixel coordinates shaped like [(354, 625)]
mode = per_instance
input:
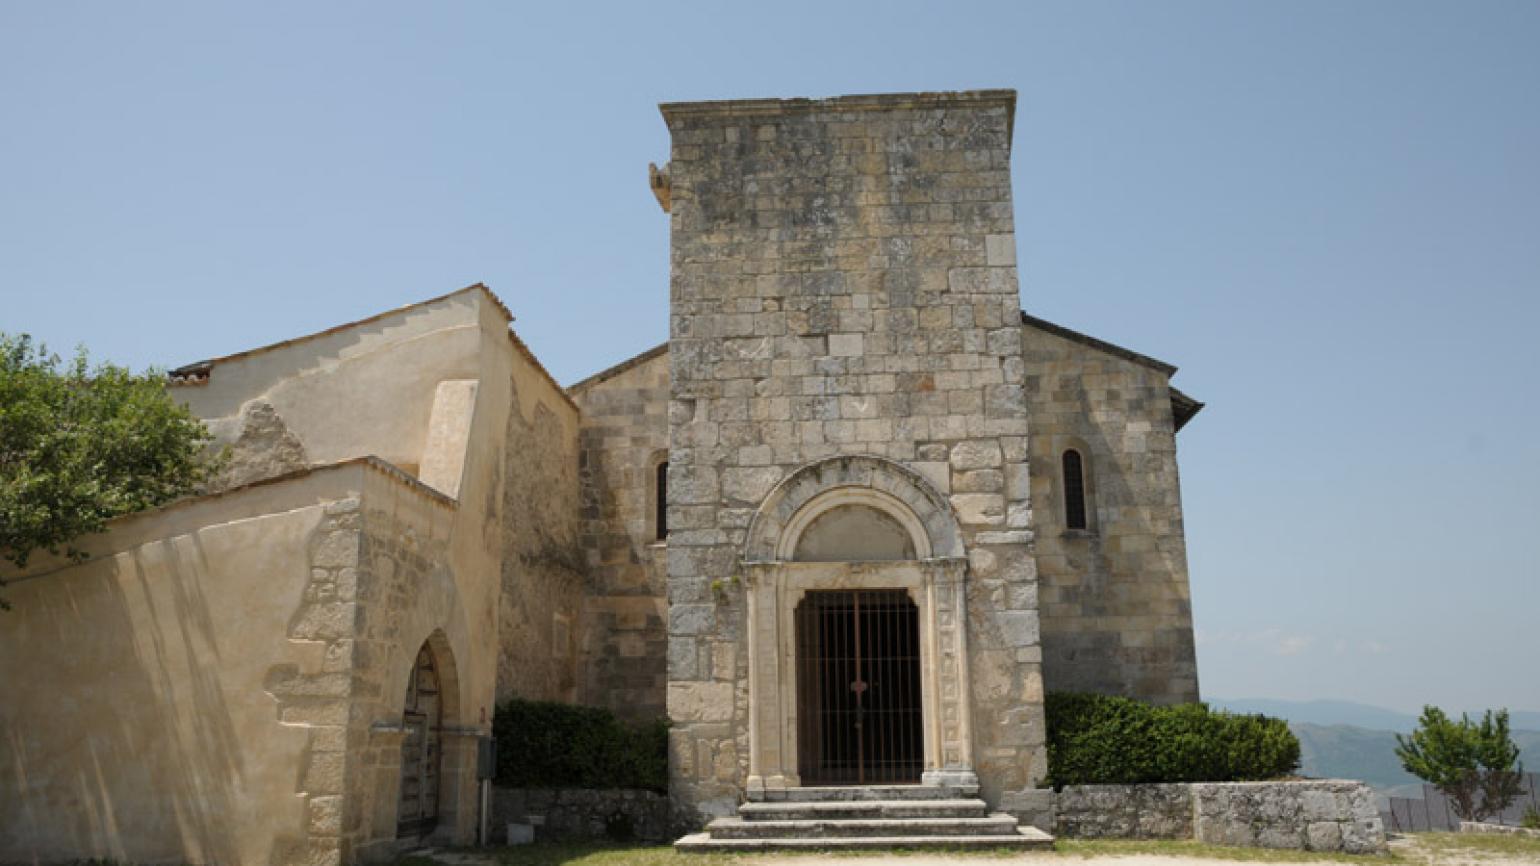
[(138, 723)]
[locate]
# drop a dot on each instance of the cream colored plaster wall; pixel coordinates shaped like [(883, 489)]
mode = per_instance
[(225, 681), (623, 439), (443, 576), (137, 723), (1116, 606), (366, 389)]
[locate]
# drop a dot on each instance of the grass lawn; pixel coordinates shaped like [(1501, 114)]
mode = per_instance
[(1413, 850), (1476, 846)]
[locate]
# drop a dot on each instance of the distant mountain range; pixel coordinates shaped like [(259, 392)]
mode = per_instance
[(1345, 740)]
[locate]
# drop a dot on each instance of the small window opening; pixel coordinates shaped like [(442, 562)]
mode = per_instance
[(1074, 491), (661, 506)]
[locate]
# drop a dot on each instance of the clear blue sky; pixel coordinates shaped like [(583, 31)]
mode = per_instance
[(1328, 214)]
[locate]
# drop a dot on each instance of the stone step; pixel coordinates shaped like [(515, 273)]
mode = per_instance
[(1024, 838), (863, 792), (998, 824), (838, 809)]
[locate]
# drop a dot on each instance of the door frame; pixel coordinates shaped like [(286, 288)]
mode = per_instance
[(936, 586)]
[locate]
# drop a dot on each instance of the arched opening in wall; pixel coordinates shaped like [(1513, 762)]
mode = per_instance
[(422, 761), (854, 533), (1074, 491)]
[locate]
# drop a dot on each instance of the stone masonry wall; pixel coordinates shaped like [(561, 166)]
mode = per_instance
[(844, 282), (1116, 607), (320, 702), (539, 607), (1124, 812), (1325, 815), (623, 438), (406, 587), (584, 813), (1315, 815)]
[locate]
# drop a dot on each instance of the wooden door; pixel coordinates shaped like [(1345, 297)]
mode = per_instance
[(420, 753)]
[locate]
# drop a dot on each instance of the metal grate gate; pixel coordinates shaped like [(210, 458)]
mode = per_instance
[(858, 682)]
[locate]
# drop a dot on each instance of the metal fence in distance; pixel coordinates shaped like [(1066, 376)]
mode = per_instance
[(1434, 812)]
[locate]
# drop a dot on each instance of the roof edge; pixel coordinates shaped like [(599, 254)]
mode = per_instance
[(369, 461), (1102, 345), (731, 108), (197, 373), (1183, 409), (529, 355), (623, 366)]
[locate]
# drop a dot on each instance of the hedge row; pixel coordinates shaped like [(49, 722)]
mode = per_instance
[(550, 745), (1096, 739)]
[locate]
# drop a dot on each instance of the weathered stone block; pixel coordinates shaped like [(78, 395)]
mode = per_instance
[(976, 455), (702, 702), (692, 619), (1019, 628), (979, 509), (846, 345)]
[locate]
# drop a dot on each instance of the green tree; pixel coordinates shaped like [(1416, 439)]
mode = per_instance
[(80, 445), (1475, 764)]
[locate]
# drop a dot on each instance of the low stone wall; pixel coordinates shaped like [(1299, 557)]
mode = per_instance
[(1503, 829), (1313, 815), (583, 813), (1124, 812), (1325, 815)]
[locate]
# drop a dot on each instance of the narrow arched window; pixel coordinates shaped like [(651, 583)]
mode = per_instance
[(1074, 491), (660, 508)]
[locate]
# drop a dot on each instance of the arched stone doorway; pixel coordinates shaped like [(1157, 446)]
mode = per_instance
[(857, 631), (427, 718)]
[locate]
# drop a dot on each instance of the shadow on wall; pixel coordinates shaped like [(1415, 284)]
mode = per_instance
[(543, 566), (120, 744), (1128, 484)]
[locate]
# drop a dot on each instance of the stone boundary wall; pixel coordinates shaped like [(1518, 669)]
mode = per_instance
[(1124, 812), (1313, 815), (1503, 829), (584, 813)]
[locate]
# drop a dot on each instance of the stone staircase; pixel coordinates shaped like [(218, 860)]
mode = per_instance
[(891, 816)]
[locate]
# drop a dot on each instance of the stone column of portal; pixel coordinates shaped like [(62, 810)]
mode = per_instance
[(844, 282)]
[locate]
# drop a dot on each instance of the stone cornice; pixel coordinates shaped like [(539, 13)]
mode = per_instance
[(731, 109)]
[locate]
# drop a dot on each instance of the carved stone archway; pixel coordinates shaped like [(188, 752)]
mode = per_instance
[(933, 579), (876, 481)]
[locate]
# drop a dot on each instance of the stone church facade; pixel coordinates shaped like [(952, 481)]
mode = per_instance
[(844, 528)]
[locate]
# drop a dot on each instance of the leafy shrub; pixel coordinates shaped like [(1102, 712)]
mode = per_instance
[(1473, 763), (541, 744), (1097, 739), (82, 444), (1531, 819)]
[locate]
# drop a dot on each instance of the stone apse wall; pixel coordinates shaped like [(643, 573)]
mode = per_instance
[(844, 283), (1116, 606)]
